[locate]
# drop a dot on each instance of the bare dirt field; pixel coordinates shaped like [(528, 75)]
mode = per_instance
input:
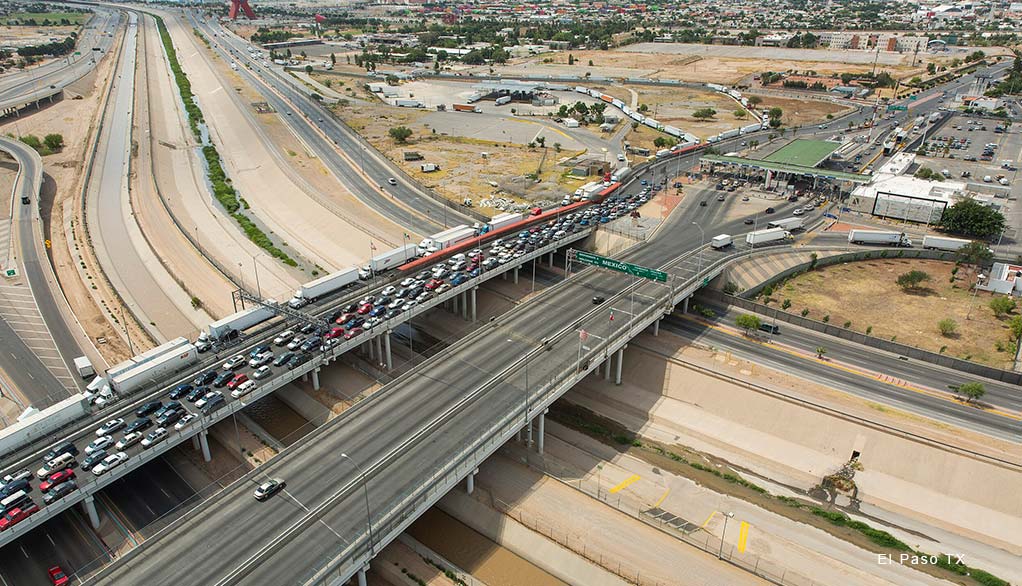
[(522, 174), (801, 112), (852, 292)]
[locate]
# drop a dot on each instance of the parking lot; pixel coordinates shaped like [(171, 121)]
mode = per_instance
[(973, 151)]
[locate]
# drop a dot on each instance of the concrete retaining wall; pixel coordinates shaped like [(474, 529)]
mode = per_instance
[(304, 405)]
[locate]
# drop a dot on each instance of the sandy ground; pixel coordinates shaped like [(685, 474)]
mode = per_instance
[(278, 197), (800, 112), (74, 264), (904, 482), (847, 292)]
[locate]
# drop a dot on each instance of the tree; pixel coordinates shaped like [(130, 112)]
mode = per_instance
[(643, 108), (308, 69), (333, 59), (755, 100), (971, 391), (947, 326), (912, 279), (1002, 305), (1015, 326), (820, 351), (400, 133), (704, 113), (931, 68), (740, 113), (968, 217), (590, 63), (541, 140), (775, 113), (974, 254), (54, 142), (32, 141), (747, 321), (557, 147), (571, 59)]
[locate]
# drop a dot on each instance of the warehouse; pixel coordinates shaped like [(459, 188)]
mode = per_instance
[(904, 197)]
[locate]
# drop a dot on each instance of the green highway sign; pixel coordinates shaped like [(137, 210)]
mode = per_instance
[(11, 272), (895, 108), (622, 267)]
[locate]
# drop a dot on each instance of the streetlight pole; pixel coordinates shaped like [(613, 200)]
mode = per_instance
[(702, 236), (720, 552), (365, 485)]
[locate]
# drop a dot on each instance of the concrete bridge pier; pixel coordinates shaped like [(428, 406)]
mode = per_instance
[(470, 481), (516, 275), (606, 367), (315, 379), (454, 304), (464, 305), (684, 306), (204, 444), (361, 575), (550, 260), (89, 503), (541, 430), (620, 362), (195, 442), (528, 435), (656, 327), (474, 289), (386, 347)]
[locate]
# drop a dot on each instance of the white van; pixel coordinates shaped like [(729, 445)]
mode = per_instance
[(13, 501), (62, 461)]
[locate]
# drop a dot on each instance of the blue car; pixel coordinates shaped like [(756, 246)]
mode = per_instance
[(458, 279), (259, 350), (474, 272), (604, 219), (378, 311), (584, 222)]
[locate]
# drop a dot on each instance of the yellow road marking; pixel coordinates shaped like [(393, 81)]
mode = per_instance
[(875, 376), (659, 502), (743, 534), (625, 483), (707, 521)]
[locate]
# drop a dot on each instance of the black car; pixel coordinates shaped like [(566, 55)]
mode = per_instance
[(599, 299), (351, 308), (299, 360), (14, 486), (197, 393), (171, 406), (205, 378), (748, 221), (308, 329), (170, 417), (259, 350), (93, 459), (702, 204), (223, 378), (311, 344), (68, 448), (60, 491), (769, 211), (213, 404), (149, 408), (138, 425), (283, 359), (181, 391)]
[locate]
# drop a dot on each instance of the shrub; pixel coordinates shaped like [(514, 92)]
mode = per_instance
[(1002, 305), (826, 319), (947, 327), (805, 312), (786, 304)]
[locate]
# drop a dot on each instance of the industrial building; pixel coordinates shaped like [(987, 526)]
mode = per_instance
[(1004, 278)]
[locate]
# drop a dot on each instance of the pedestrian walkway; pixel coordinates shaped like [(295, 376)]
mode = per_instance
[(18, 308)]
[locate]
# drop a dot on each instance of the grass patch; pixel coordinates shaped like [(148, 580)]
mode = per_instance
[(45, 18)]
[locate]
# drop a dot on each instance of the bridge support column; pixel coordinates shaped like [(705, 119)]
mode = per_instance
[(550, 260), (454, 304), (90, 507), (464, 305), (516, 275), (606, 367), (204, 444), (470, 481), (474, 289), (684, 306), (656, 327), (620, 362), (386, 347), (195, 442), (541, 425), (362, 575), (528, 435), (315, 379)]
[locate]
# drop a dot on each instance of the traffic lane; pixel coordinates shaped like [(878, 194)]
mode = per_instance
[(145, 495), (26, 373), (354, 181), (66, 541), (923, 373), (946, 411)]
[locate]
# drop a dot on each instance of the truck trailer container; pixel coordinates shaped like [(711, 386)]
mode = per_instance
[(151, 372), (83, 366), (240, 321), (172, 346), (789, 224), (404, 103), (504, 219), (766, 236), (466, 108), (442, 240), (502, 100), (325, 285), (879, 237), (621, 174), (389, 260), (721, 241), (944, 243)]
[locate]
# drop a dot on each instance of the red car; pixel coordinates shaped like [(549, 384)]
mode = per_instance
[(365, 308), (345, 318), (352, 333), (15, 516), (237, 380), (433, 284), (56, 478), (57, 576), (334, 333)]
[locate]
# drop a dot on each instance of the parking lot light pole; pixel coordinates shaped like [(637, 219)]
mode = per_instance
[(720, 552), (365, 486)]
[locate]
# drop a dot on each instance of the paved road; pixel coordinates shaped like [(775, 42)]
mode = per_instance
[(23, 87), (42, 388), (429, 215), (860, 383)]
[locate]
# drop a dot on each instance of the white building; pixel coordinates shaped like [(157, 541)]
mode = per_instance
[(906, 198), (1004, 278)]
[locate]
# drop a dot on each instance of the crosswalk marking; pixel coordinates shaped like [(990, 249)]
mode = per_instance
[(19, 311)]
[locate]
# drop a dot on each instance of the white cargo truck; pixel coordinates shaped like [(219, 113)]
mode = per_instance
[(237, 322), (721, 241), (767, 236), (502, 100), (444, 239), (404, 103), (789, 224), (621, 174), (502, 220), (83, 366), (878, 237), (944, 243), (325, 285), (388, 260), (154, 371)]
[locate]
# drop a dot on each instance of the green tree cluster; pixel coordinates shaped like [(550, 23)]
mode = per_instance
[(970, 218)]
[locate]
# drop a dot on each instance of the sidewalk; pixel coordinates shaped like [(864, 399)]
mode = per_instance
[(638, 552)]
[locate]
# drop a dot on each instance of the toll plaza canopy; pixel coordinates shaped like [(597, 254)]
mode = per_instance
[(803, 152), (779, 167)]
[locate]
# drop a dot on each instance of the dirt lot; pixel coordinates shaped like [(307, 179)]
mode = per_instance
[(522, 174), (801, 112), (849, 292), (349, 85)]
